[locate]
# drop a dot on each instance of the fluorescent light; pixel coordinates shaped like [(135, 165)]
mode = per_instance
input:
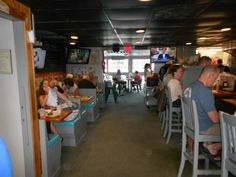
[(140, 31), (74, 37), (72, 43), (209, 49), (202, 38), (138, 42), (225, 29), (145, 0), (188, 43)]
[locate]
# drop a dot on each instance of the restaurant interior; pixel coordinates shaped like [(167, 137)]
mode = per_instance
[(83, 93)]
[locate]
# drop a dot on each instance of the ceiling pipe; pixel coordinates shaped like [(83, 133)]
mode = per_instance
[(149, 22), (109, 20)]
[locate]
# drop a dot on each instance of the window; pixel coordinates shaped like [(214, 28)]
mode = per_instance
[(138, 64), (114, 65), (126, 62)]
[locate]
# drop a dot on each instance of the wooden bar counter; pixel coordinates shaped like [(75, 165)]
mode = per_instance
[(231, 101), (221, 93)]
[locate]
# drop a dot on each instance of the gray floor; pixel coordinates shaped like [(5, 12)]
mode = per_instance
[(125, 142)]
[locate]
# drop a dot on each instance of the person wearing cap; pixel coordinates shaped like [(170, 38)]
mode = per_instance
[(70, 88)]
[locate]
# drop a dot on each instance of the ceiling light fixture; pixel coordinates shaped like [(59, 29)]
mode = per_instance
[(72, 43), (209, 49), (145, 0), (202, 38), (140, 31), (225, 29), (188, 43), (138, 42), (74, 37)]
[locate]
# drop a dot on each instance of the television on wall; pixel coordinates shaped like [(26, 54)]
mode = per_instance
[(162, 54), (78, 55), (39, 58)]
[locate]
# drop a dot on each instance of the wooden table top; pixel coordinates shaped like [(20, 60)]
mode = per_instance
[(231, 101), (60, 118), (222, 93)]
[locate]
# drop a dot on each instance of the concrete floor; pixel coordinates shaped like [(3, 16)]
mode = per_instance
[(126, 141)]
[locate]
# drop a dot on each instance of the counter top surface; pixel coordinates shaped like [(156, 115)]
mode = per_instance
[(60, 118)]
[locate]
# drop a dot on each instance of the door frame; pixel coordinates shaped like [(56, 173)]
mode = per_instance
[(23, 13)]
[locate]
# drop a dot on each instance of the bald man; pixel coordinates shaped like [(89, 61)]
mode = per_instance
[(200, 91)]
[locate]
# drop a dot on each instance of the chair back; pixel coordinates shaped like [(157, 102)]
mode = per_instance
[(190, 116), (228, 134), (168, 98)]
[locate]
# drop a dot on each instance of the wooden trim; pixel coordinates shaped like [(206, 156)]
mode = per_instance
[(49, 74), (23, 12)]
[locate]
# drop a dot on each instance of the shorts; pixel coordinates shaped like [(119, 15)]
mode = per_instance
[(213, 130)]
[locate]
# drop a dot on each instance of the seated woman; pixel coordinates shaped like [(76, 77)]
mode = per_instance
[(71, 89), (137, 80), (174, 85), (48, 97)]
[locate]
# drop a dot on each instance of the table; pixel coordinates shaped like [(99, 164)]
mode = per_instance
[(226, 105), (231, 101), (129, 84), (221, 93), (60, 118)]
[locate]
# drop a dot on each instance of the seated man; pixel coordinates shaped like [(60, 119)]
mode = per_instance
[(222, 67), (85, 82), (71, 89), (209, 119)]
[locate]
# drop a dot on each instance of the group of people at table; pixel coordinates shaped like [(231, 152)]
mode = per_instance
[(197, 82), (51, 93), (134, 80)]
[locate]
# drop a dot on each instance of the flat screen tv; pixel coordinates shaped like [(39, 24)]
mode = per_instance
[(39, 58), (78, 55), (162, 54)]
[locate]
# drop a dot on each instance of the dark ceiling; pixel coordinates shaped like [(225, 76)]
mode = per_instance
[(166, 22)]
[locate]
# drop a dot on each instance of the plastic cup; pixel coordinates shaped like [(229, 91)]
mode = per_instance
[(41, 112), (59, 109)]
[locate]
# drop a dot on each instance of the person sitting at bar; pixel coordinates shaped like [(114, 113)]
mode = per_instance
[(85, 82), (192, 74), (71, 89), (48, 98), (200, 91), (175, 85), (222, 67), (168, 76)]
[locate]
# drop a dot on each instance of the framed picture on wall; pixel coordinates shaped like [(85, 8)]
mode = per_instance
[(5, 61)]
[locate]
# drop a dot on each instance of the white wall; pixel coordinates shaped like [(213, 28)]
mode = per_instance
[(10, 115)]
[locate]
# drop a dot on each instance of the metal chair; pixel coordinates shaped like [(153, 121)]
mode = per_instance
[(136, 85), (228, 133), (173, 118), (191, 129)]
